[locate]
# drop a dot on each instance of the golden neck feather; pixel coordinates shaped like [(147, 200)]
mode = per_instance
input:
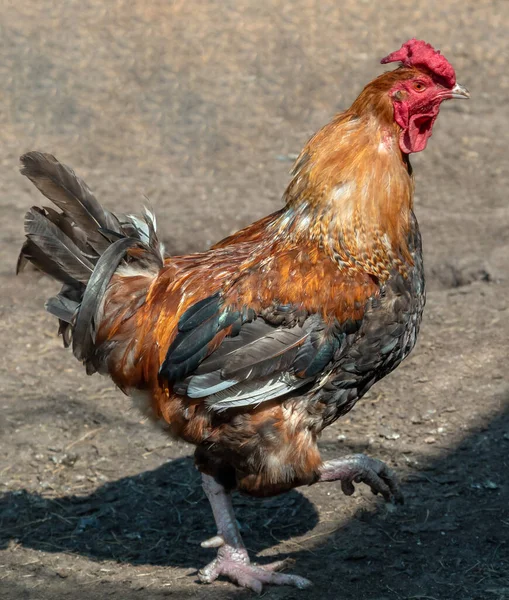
[(352, 191)]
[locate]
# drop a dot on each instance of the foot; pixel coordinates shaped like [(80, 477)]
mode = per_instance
[(234, 563), (232, 558), (359, 468)]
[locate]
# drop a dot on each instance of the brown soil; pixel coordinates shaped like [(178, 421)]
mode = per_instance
[(201, 106)]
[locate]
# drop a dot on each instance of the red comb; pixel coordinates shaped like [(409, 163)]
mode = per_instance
[(419, 54)]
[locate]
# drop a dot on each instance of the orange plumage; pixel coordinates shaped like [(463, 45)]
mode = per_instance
[(250, 349)]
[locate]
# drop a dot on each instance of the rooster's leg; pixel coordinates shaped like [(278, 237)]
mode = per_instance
[(359, 468), (232, 559)]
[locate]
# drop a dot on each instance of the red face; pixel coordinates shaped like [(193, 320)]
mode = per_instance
[(416, 104)]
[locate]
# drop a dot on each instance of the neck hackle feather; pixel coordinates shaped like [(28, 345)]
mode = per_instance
[(352, 188)]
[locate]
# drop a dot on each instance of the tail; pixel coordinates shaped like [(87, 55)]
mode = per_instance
[(81, 246)]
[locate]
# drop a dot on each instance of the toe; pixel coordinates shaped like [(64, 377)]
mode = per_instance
[(392, 482), (377, 485), (347, 487), (244, 578), (270, 577), (210, 572), (252, 576), (279, 565), (296, 580)]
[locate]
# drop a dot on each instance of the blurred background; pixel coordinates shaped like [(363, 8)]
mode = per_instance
[(202, 106)]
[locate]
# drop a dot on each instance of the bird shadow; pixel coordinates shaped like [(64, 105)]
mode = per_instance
[(158, 517), (449, 540)]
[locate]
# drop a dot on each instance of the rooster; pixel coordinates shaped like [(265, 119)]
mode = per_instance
[(250, 349)]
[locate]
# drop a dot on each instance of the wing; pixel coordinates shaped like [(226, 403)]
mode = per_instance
[(259, 357), (273, 326)]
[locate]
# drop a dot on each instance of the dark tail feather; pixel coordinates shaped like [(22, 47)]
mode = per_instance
[(65, 307), (84, 334), (62, 307), (54, 243), (65, 310), (65, 224), (72, 195), (30, 252), (81, 247)]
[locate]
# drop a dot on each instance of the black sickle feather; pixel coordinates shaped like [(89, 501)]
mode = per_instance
[(82, 247), (105, 268), (61, 185)]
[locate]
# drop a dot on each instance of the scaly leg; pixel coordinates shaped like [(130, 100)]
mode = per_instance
[(359, 468), (232, 559)]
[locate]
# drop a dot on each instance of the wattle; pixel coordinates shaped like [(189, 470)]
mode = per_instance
[(415, 136)]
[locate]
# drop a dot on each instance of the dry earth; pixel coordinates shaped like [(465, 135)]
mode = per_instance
[(201, 106)]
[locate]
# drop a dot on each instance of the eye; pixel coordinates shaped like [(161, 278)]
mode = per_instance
[(418, 86)]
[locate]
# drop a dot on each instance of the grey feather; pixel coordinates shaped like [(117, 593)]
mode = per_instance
[(252, 393), (259, 351), (153, 241), (247, 336), (76, 235), (201, 386), (273, 352), (82, 247), (63, 308)]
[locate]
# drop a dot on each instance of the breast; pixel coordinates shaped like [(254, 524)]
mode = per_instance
[(387, 335)]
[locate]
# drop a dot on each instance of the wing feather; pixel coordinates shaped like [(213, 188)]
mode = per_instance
[(257, 362)]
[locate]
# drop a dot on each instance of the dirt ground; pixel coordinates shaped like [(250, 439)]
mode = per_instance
[(201, 106)]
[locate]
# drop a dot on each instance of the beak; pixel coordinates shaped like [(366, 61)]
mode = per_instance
[(460, 92)]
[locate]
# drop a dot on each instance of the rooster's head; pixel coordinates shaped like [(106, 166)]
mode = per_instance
[(426, 80)]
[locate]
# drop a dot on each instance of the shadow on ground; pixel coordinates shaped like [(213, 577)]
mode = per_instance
[(461, 500), (158, 518)]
